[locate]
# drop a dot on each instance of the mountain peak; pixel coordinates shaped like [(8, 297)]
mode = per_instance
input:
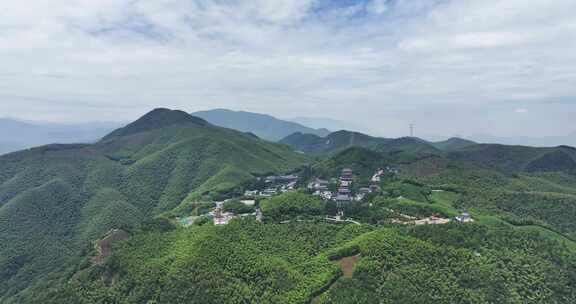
[(159, 118)]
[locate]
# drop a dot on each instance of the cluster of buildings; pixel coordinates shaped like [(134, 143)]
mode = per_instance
[(220, 217), (319, 187), (342, 196), (276, 184), (344, 193)]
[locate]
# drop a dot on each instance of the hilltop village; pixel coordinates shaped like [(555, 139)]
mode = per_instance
[(340, 193)]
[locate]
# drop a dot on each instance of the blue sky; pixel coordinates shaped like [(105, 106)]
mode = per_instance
[(503, 67)]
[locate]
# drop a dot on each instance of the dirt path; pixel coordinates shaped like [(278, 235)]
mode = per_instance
[(348, 265), (104, 246)]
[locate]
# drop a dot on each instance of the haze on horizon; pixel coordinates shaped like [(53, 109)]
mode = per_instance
[(451, 67)]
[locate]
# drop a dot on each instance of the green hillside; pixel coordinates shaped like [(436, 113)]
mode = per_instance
[(408, 148), (363, 161), (55, 199), (251, 262), (545, 200)]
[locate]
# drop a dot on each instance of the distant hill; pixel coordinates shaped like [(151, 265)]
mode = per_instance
[(535, 141), (408, 144), (453, 144), (334, 142), (519, 158), (55, 199), (17, 135), (264, 126), (328, 123)]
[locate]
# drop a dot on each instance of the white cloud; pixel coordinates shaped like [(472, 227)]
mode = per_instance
[(377, 6), (358, 61)]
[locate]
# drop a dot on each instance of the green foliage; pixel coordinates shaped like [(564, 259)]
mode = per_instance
[(412, 208), (407, 149), (250, 262), (292, 204), (158, 224), (108, 209), (244, 262), (237, 207), (409, 190), (363, 161), (443, 264)]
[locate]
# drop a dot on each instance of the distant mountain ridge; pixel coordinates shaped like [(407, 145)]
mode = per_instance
[(341, 140), (263, 126), (544, 141), (506, 158), (329, 123), (519, 158), (18, 135)]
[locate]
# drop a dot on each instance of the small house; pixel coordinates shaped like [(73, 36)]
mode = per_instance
[(464, 218)]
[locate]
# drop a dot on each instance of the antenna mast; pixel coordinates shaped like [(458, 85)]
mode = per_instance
[(411, 130)]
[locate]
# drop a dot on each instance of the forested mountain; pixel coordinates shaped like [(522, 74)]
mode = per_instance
[(519, 158), (59, 202), (264, 126), (55, 199), (18, 135)]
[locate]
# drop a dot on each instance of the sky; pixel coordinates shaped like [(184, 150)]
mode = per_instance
[(451, 67)]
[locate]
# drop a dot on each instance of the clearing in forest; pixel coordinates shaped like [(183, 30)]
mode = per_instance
[(348, 265)]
